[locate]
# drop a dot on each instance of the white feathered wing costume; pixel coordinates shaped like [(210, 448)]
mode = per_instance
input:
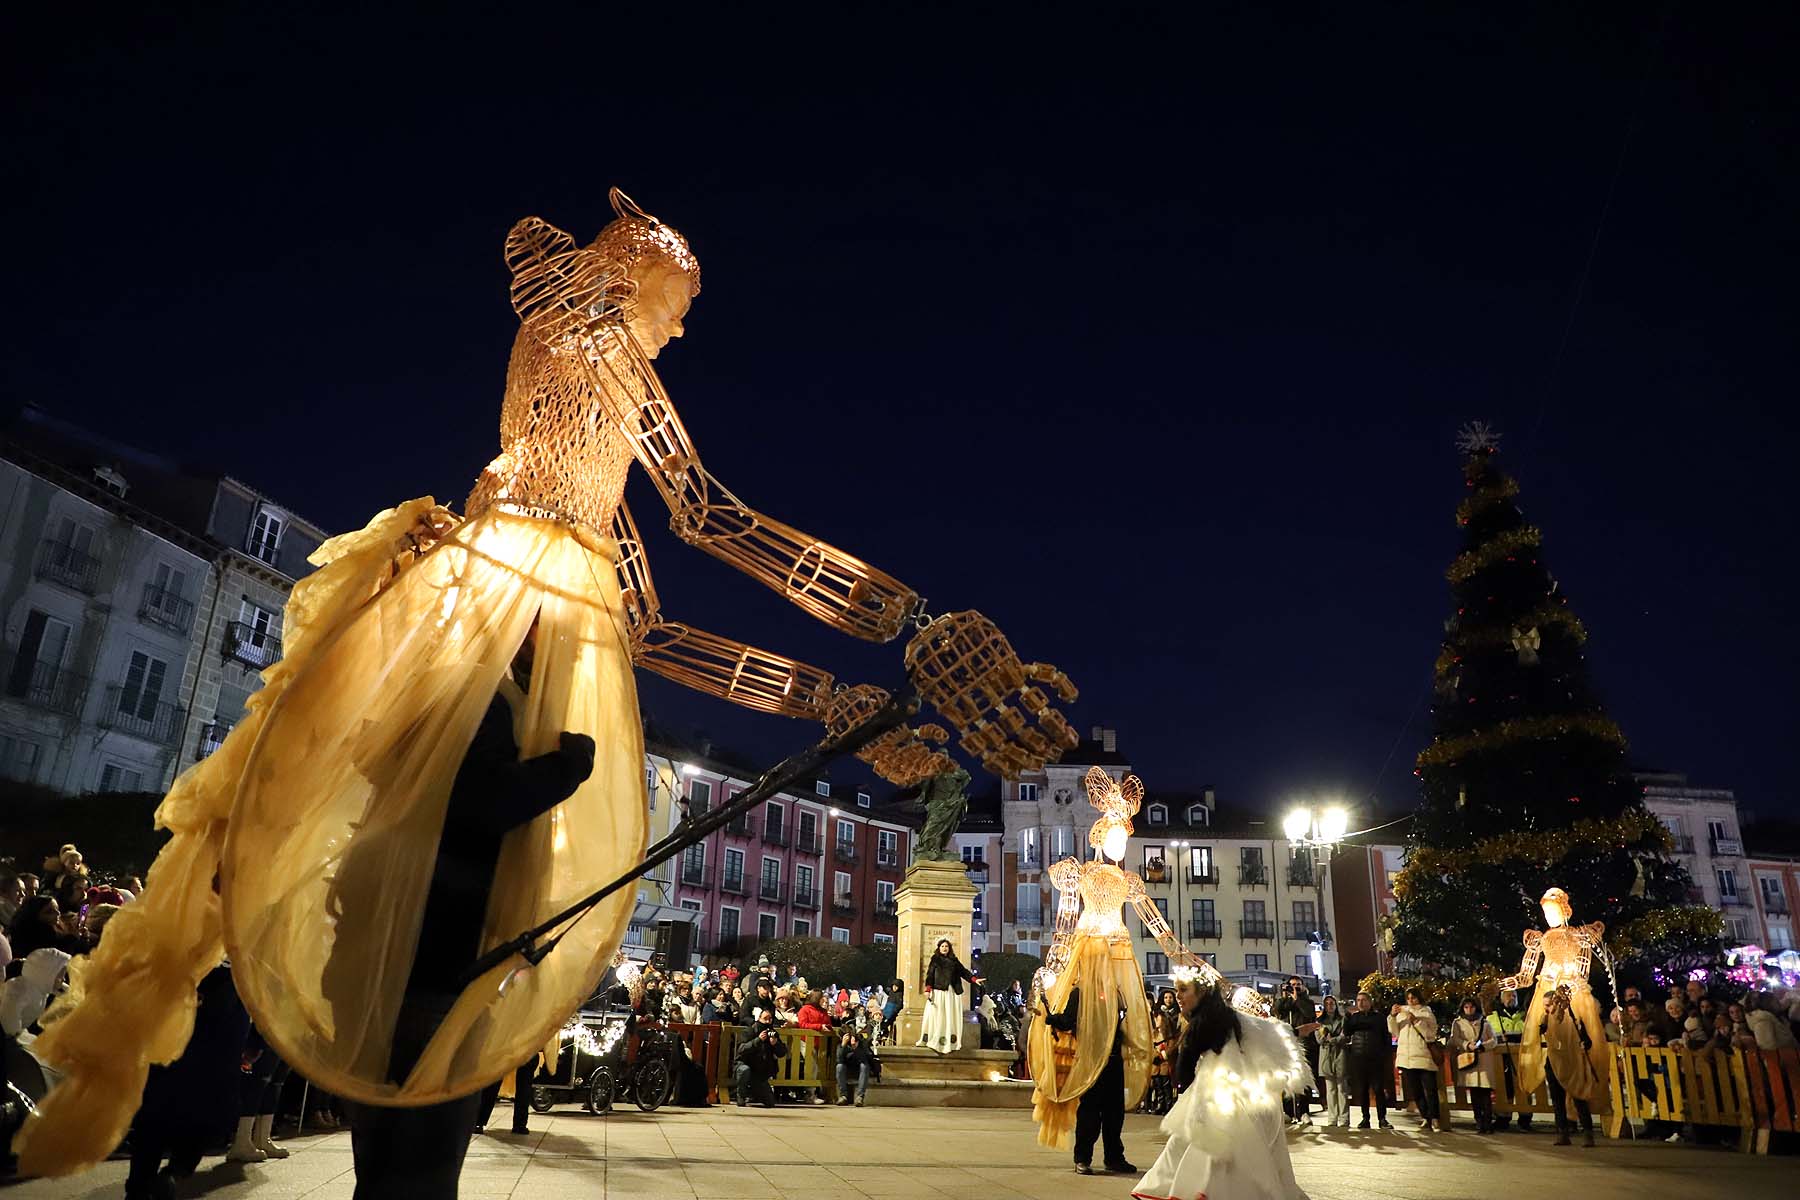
[(1227, 1135)]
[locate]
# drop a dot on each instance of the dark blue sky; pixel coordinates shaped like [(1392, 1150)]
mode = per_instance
[(1146, 336)]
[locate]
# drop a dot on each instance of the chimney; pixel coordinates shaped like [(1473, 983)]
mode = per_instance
[(1109, 741), (1209, 796)]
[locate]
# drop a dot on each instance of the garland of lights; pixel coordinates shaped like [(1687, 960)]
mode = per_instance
[(1545, 849), (1662, 924), (1387, 990), (1502, 545), (1480, 498), (1505, 733), (585, 1041)]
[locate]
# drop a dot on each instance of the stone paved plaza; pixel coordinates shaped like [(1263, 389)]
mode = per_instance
[(799, 1153)]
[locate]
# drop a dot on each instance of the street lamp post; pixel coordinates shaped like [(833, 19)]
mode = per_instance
[(1320, 830), (1179, 847)]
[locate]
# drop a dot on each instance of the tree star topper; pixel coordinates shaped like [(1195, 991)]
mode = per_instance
[(1477, 437)]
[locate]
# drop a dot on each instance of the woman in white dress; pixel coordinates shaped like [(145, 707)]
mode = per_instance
[(942, 1029), (1227, 1135)]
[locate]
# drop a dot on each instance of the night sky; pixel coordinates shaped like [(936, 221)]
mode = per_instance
[(1148, 337)]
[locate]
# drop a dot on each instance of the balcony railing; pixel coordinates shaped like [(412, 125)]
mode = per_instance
[(162, 607), (1302, 931), (843, 906), (769, 889), (1249, 928), (1735, 901), (887, 858), (1730, 847), (739, 826), (806, 897), (887, 910), (1030, 918), (844, 851), (1775, 906), (696, 874), (130, 710), (733, 882), (1031, 860), (62, 563), (1684, 844), (1302, 875), (978, 874), (1205, 929), (1253, 875), (42, 684), (212, 736), (777, 836), (807, 843), (251, 646), (1206, 878)]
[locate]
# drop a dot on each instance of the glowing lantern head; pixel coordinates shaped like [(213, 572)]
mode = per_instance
[(1557, 909), (1297, 824), (1334, 823)]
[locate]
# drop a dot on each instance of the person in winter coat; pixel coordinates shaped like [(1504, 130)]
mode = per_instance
[(944, 976), (763, 998), (1365, 1058), (1507, 1023), (1770, 1028), (194, 1099), (1472, 1043), (1415, 1028), (855, 1061), (893, 1000), (1332, 1041), (812, 1013), (1295, 1008), (756, 1062)]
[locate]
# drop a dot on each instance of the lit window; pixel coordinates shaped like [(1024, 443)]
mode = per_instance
[(821, 787), (1159, 814)]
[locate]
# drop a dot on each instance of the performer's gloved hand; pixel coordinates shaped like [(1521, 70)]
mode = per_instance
[(579, 748)]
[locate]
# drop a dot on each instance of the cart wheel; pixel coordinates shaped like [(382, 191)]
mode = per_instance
[(600, 1090), (653, 1083), (541, 1099)]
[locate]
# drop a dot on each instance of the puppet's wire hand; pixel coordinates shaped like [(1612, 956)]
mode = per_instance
[(965, 668), (901, 756)]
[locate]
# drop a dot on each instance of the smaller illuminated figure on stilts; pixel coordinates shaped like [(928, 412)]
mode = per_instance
[(1091, 954), (1559, 959)]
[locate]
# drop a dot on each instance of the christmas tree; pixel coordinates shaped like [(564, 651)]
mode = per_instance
[(1525, 785)]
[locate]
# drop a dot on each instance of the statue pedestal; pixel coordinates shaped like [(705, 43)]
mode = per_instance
[(935, 901)]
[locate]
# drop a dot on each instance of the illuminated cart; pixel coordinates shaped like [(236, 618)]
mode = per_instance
[(600, 1062)]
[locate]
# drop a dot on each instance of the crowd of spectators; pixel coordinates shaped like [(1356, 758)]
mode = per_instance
[(764, 998), (1358, 1052)]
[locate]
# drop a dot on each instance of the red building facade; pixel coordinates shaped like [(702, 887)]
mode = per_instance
[(823, 862)]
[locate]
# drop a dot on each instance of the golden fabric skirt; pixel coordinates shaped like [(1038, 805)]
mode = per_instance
[(317, 822), (1064, 1066), (1583, 1007)]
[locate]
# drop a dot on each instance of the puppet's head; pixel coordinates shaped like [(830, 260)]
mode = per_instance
[(1118, 803), (1557, 909)]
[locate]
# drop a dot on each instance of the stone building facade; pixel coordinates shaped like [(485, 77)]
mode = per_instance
[(1709, 843), (97, 604)]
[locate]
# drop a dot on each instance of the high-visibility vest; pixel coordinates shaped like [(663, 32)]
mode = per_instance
[(1510, 1028)]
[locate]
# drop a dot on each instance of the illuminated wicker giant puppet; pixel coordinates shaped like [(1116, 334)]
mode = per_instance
[(305, 843), (1091, 951), (1559, 957)]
